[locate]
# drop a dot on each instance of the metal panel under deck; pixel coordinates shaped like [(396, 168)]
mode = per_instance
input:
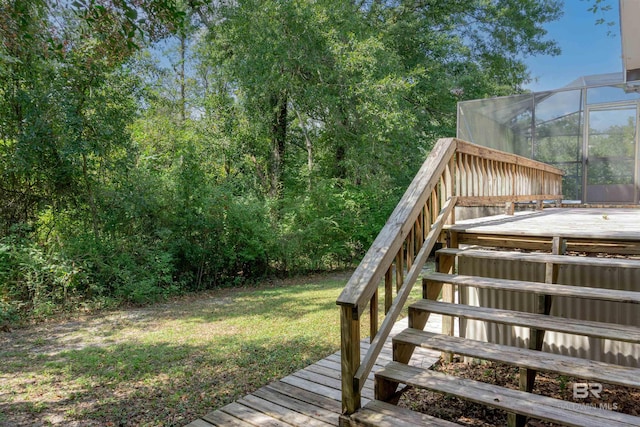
[(590, 227)]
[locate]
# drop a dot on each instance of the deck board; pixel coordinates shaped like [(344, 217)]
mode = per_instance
[(310, 396), (579, 223)]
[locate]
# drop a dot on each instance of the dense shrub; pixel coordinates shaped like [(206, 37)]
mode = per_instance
[(169, 246), (35, 280)]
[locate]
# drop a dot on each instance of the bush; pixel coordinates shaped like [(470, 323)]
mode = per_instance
[(36, 281), (330, 226)]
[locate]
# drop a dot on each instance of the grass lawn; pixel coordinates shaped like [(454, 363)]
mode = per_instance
[(170, 363)]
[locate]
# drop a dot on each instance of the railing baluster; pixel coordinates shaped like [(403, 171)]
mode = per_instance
[(459, 176), (373, 316), (487, 178), (388, 289), (449, 181), (435, 206), (493, 177), (470, 180), (419, 233), (399, 268), (409, 244), (441, 189), (465, 164), (514, 173), (425, 221), (474, 176)]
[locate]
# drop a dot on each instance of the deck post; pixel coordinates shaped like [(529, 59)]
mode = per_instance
[(447, 265), (350, 358), (509, 208), (536, 336)]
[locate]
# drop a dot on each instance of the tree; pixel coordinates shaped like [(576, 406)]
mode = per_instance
[(370, 74), (276, 136)]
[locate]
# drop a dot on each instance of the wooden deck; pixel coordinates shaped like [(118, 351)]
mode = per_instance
[(597, 223), (590, 230), (311, 396)]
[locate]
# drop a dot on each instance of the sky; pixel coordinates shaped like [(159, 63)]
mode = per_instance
[(586, 47)]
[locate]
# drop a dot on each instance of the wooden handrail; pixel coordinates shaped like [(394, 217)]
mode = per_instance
[(382, 252), (455, 172), (401, 297)]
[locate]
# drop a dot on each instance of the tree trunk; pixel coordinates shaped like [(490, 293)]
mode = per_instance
[(278, 140), (183, 90), (90, 198), (309, 147), (340, 170)]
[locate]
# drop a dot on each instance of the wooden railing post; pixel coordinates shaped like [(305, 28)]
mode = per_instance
[(350, 356)]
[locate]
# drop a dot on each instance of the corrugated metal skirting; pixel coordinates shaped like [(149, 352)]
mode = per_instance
[(592, 348)]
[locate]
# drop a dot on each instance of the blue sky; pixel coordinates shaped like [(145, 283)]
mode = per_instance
[(586, 47)]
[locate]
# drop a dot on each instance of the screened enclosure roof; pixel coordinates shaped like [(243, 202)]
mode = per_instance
[(596, 80), (506, 110)]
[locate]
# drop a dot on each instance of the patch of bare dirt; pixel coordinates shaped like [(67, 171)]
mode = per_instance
[(620, 399)]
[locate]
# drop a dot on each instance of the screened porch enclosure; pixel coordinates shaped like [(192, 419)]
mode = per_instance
[(589, 129)]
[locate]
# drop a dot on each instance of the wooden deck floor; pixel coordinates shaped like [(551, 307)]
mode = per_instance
[(597, 223), (309, 397)]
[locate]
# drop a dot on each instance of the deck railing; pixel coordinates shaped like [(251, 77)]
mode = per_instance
[(455, 172)]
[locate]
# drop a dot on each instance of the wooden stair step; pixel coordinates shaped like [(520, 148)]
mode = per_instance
[(523, 357), (515, 401), (542, 258), (612, 331), (381, 414), (536, 287)]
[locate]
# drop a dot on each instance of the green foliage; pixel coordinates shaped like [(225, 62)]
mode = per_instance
[(34, 280), (331, 225), (275, 137), (603, 9)]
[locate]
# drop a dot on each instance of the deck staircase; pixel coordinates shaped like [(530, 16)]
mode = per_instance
[(400, 254), (530, 359)]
